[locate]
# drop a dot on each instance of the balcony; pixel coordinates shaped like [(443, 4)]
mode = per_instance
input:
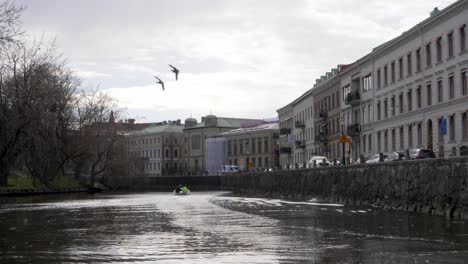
[(323, 116), (285, 150), (299, 124), (321, 138), (285, 131), (353, 98), (300, 144), (353, 130)]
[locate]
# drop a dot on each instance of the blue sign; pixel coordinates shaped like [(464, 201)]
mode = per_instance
[(443, 126)]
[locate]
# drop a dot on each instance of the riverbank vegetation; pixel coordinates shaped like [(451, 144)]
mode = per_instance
[(52, 131)]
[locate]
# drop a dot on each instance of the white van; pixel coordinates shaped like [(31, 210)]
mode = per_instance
[(228, 169)]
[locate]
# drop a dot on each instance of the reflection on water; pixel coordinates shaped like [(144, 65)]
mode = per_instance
[(217, 228)]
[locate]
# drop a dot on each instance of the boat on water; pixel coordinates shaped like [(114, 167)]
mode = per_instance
[(181, 193)]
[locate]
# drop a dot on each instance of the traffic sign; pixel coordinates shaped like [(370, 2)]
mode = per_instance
[(344, 139)]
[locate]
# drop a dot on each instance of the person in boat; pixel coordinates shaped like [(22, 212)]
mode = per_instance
[(184, 190), (179, 188)]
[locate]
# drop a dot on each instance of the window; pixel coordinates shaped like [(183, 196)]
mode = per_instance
[(386, 140), (463, 38), (364, 143), (385, 76), (265, 147), (401, 138), (196, 139), (451, 87), (464, 86), (229, 147), (418, 97), (392, 70), (392, 105), (429, 93), (175, 153), (167, 153), (259, 144), (419, 134), (400, 68), (450, 44), (428, 55), (410, 101), (439, 50), (440, 91), (370, 143), (235, 147), (253, 145), (241, 146), (385, 108), (367, 83), (400, 102), (346, 91), (465, 125), (410, 136), (378, 110), (379, 83), (378, 141), (418, 60), (409, 62), (452, 128)]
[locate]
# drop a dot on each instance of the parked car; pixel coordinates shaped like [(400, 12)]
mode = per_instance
[(395, 156), (422, 154), (227, 169), (375, 158), (320, 160), (358, 161)]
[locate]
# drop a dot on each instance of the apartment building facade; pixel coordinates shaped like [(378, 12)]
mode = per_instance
[(157, 149), (195, 135), (326, 118), (286, 140), (411, 92), (253, 147)]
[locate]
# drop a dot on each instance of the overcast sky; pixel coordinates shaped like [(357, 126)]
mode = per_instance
[(236, 58)]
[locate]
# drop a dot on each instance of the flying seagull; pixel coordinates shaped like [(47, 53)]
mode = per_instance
[(160, 82), (174, 70)]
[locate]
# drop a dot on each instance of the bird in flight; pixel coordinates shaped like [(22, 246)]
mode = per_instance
[(174, 70), (160, 82)]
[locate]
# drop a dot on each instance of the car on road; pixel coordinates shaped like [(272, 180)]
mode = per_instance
[(395, 156), (320, 161), (422, 154), (228, 169), (375, 158)]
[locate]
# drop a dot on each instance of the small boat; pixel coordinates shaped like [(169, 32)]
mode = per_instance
[(181, 193)]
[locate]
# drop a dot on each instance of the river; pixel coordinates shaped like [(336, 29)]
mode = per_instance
[(215, 227)]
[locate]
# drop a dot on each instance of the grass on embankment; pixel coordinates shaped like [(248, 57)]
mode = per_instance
[(20, 180)]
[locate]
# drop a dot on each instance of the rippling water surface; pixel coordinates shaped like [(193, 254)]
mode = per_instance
[(212, 227)]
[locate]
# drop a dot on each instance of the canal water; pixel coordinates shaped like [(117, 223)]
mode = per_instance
[(216, 227)]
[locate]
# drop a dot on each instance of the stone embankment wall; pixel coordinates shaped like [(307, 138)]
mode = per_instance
[(434, 186)]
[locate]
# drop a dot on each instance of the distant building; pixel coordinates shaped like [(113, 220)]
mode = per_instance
[(158, 149), (195, 134), (253, 147)]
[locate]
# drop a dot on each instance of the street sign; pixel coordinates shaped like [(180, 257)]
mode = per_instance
[(443, 126), (344, 139)]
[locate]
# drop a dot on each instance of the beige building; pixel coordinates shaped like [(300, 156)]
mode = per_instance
[(157, 149), (255, 145), (326, 96), (195, 135)]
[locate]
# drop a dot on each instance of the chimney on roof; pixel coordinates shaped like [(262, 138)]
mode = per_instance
[(435, 12)]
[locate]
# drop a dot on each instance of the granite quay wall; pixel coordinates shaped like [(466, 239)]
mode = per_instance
[(434, 186)]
